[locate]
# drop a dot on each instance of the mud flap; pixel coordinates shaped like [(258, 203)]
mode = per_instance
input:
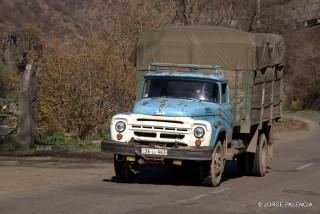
[(270, 150), (253, 143)]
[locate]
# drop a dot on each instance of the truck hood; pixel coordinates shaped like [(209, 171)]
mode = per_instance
[(174, 107)]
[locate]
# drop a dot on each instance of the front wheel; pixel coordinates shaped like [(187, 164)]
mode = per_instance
[(211, 172)]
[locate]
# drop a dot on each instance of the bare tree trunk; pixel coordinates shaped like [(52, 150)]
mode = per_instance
[(27, 119)]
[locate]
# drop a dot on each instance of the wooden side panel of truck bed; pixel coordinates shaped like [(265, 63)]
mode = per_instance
[(256, 96)]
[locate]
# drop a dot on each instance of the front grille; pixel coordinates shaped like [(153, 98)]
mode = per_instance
[(160, 144), (162, 135), (145, 134), (172, 136), (158, 120), (160, 128)]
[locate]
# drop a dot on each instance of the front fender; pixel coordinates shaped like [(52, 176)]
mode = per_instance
[(217, 128), (215, 135)]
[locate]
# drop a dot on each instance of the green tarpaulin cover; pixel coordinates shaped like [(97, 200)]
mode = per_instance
[(230, 48)]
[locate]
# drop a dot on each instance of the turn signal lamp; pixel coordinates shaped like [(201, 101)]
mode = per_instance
[(119, 136), (198, 142)]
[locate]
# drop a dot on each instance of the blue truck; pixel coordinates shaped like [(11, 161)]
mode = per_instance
[(204, 95)]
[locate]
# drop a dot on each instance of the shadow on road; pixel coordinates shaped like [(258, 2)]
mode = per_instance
[(149, 175), (177, 176)]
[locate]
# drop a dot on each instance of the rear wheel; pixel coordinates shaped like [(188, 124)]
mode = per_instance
[(211, 172), (255, 163), (260, 160), (123, 169)]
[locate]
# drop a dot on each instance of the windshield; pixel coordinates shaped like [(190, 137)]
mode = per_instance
[(187, 89)]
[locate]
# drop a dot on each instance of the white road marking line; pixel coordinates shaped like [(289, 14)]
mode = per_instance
[(203, 195), (305, 166), (192, 199), (219, 190)]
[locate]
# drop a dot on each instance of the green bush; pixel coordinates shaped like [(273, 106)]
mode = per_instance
[(66, 142), (55, 138), (100, 135)]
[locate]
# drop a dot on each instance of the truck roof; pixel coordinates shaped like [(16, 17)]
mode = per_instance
[(193, 74)]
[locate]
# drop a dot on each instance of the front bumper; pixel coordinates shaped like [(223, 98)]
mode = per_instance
[(181, 153)]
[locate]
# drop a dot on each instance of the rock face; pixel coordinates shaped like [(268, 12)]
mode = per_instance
[(15, 47), (295, 14), (303, 48), (7, 42), (24, 24)]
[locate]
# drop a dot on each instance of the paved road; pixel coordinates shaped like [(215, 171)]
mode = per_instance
[(32, 185)]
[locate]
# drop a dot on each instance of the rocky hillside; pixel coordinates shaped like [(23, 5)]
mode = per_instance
[(44, 17), (26, 24)]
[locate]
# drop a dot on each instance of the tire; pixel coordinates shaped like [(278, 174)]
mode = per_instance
[(270, 144), (260, 160), (123, 169), (211, 172)]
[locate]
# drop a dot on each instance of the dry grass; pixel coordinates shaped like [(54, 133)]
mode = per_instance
[(289, 125)]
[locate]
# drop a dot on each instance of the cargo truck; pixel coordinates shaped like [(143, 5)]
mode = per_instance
[(204, 95)]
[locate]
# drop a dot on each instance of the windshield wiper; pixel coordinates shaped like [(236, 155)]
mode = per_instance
[(190, 98), (187, 98)]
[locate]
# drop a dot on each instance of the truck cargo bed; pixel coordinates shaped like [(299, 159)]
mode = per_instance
[(256, 96)]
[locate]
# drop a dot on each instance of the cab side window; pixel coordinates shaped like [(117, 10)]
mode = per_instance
[(224, 93)]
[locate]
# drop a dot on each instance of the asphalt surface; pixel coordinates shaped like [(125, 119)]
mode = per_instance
[(50, 184)]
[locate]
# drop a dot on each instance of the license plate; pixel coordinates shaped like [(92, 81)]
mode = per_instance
[(149, 151)]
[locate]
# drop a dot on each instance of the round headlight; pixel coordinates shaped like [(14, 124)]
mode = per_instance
[(198, 132), (120, 126)]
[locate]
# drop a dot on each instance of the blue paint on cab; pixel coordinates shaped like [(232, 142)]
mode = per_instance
[(174, 107), (219, 115)]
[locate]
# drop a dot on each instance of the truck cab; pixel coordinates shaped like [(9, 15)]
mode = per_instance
[(184, 115)]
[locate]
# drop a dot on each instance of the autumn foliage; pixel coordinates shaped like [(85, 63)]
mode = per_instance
[(81, 87)]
